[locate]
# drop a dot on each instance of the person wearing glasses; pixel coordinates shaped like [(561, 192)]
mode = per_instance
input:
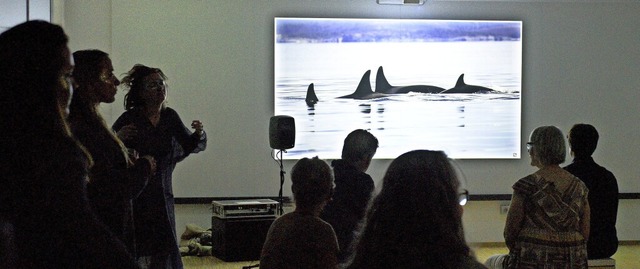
[(548, 220), (603, 191), (149, 127), (415, 221), (353, 188)]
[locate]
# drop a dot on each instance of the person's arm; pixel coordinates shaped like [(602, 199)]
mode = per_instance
[(515, 218), (189, 142), (120, 122), (330, 249), (585, 219), (138, 175), (612, 192)]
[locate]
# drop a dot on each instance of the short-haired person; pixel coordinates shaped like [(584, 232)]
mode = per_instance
[(300, 239), (548, 221), (603, 191), (43, 205), (415, 221), (353, 188)]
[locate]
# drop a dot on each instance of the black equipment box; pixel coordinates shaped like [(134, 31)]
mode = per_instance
[(239, 239)]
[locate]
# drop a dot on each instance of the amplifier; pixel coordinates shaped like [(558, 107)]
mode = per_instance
[(239, 239), (255, 208)]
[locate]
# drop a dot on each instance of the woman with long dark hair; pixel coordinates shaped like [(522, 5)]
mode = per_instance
[(46, 219), (416, 219), (115, 179)]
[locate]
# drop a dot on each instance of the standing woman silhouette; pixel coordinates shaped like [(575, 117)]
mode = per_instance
[(115, 178), (151, 128), (46, 218)]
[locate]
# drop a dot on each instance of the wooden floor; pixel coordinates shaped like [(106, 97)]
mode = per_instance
[(627, 257)]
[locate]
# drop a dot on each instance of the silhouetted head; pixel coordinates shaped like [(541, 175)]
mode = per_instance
[(311, 182), (94, 77), (359, 148), (547, 146), (416, 219), (35, 78), (583, 140), (147, 86)]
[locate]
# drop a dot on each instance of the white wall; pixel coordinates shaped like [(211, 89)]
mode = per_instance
[(580, 65)]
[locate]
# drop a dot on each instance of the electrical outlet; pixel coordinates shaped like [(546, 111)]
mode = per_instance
[(504, 209)]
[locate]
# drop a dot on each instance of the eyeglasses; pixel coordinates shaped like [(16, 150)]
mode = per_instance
[(152, 84), (529, 146), (463, 197)]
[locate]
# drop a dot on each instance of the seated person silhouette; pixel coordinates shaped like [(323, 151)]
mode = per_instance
[(548, 221), (300, 239), (416, 219), (353, 188), (603, 191)]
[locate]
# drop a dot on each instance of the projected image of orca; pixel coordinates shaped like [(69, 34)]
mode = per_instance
[(383, 86), (311, 98), (363, 91), (462, 87)]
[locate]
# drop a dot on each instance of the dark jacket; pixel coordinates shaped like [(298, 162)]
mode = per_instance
[(603, 200), (347, 208), (113, 183), (168, 142)]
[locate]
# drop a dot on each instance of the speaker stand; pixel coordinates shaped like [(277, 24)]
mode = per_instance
[(280, 199)]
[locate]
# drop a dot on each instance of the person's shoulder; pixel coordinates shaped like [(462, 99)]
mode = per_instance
[(607, 172), (527, 184), (170, 111), (528, 180)]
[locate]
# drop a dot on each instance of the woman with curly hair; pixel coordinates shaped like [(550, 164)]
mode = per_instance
[(149, 127)]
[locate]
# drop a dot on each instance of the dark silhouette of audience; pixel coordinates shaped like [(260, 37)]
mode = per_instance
[(44, 210), (115, 178), (149, 127), (353, 188), (603, 191), (416, 219), (300, 239)]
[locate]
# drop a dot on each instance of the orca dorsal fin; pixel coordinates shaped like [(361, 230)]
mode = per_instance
[(311, 98), (460, 81), (382, 85), (364, 87)]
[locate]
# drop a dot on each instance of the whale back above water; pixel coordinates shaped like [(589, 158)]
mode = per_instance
[(364, 91), (383, 86), (462, 87)]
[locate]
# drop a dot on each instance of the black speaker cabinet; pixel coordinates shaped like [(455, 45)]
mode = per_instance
[(282, 132), (239, 239)]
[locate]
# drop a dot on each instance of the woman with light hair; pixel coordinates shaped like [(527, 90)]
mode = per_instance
[(548, 220)]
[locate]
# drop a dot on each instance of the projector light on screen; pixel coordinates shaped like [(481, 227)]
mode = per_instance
[(451, 85)]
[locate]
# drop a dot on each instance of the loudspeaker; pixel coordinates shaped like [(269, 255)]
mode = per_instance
[(282, 132), (239, 239)]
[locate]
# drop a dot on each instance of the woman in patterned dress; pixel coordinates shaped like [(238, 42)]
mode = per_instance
[(548, 221)]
